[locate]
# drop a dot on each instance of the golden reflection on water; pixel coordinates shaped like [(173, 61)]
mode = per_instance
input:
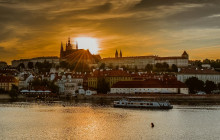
[(87, 122)]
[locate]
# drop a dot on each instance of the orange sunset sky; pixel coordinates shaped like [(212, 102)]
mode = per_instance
[(137, 27)]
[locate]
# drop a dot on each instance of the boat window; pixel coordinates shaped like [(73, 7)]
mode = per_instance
[(151, 103), (141, 103), (147, 103)]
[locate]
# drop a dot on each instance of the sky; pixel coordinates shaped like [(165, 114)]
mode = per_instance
[(33, 28)]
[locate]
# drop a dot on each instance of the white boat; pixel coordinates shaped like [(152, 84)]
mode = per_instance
[(143, 104)]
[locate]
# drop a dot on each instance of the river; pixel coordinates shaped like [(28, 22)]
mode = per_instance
[(94, 121)]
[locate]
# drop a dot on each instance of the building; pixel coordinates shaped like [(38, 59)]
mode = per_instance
[(6, 82), (149, 86), (24, 62), (140, 62), (69, 83), (25, 80), (3, 64), (201, 74), (75, 55), (110, 76)]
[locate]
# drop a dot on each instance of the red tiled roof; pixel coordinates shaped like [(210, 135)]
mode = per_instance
[(110, 73), (7, 79)]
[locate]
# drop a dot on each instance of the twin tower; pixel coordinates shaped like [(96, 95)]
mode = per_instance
[(116, 54)]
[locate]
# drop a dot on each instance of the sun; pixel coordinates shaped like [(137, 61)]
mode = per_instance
[(88, 43)]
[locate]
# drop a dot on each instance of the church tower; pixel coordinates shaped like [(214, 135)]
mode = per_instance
[(116, 54), (185, 55), (61, 50), (120, 54), (68, 46), (76, 45)]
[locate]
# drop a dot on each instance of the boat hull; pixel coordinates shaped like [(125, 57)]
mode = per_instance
[(146, 107)]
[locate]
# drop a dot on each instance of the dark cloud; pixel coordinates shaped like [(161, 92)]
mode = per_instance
[(145, 4), (44, 23)]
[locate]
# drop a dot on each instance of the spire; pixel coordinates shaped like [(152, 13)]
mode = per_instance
[(66, 45), (68, 40), (61, 50), (76, 45), (116, 54), (120, 54), (185, 55)]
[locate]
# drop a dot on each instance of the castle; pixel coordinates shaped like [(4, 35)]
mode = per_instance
[(141, 61), (76, 55)]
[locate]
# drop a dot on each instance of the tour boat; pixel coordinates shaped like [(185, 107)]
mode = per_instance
[(143, 104)]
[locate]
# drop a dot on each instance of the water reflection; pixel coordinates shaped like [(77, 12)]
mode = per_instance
[(92, 121)]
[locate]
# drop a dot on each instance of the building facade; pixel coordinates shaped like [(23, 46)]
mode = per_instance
[(149, 86), (141, 61), (6, 82), (110, 76), (201, 74), (51, 59)]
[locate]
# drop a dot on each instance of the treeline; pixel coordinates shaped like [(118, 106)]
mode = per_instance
[(37, 83), (195, 85), (213, 63), (78, 67), (46, 66), (158, 67)]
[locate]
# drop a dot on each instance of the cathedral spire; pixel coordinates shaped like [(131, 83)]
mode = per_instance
[(116, 54), (61, 50), (120, 54), (76, 45)]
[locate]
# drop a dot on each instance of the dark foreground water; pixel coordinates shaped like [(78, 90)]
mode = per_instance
[(89, 121)]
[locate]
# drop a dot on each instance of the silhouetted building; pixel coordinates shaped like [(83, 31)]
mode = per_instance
[(76, 55), (140, 62)]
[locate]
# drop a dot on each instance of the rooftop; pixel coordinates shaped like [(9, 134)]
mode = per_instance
[(198, 71)]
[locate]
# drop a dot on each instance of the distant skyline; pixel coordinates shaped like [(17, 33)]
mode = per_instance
[(137, 27)]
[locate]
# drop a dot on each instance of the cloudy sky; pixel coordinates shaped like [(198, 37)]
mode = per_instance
[(31, 28)]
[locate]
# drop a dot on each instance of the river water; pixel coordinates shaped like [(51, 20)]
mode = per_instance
[(89, 121)]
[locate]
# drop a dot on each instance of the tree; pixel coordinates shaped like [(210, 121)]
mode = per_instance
[(158, 66), (124, 67), (135, 69), (165, 67), (194, 85), (117, 67), (64, 64), (206, 61), (102, 66), (21, 66), (45, 83), (102, 86), (30, 65), (209, 86), (148, 67), (174, 68), (110, 66), (14, 92)]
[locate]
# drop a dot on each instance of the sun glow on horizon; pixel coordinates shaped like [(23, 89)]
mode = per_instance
[(88, 43)]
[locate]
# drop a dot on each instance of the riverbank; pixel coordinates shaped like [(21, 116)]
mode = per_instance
[(177, 99)]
